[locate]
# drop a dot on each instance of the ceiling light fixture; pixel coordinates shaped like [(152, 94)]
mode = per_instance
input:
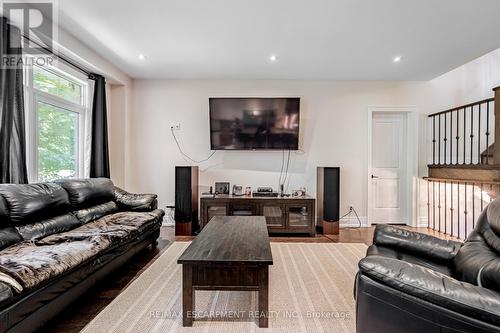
[(142, 56), (397, 59), (273, 58)]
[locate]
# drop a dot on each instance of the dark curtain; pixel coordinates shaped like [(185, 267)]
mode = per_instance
[(12, 125), (99, 154)]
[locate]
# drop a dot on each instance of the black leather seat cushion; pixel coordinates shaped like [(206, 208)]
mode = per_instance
[(48, 227), (5, 293), (415, 243), (434, 287), (93, 213), (135, 202), (9, 236), (407, 257), (4, 214), (478, 260), (84, 193), (28, 203)]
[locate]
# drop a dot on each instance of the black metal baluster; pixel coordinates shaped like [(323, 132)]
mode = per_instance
[(439, 206), (473, 204), (428, 204), (482, 204), (458, 136), (451, 209), (451, 137), (465, 125), (439, 139), (465, 209), (445, 138), (434, 140), (471, 133), (487, 133), (445, 207), (434, 205), (479, 137)]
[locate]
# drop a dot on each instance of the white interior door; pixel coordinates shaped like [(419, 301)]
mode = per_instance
[(389, 168)]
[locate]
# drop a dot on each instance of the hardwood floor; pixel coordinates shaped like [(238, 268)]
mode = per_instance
[(76, 316)]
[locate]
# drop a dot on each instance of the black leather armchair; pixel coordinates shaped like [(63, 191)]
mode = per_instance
[(411, 282)]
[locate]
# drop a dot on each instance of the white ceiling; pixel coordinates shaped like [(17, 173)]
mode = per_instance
[(313, 39)]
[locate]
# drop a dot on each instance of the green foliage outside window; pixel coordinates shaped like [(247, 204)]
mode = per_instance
[(55, 85), (57, 142)]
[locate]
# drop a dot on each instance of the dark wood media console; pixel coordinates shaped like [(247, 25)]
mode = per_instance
[(283, 215)]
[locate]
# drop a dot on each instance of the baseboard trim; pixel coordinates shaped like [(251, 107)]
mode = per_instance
[(422, 222), (352, 221)]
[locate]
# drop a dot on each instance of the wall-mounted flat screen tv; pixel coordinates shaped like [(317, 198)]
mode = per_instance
[(254, 123)]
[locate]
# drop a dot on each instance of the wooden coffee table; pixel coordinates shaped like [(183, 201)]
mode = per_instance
[(231, 253)]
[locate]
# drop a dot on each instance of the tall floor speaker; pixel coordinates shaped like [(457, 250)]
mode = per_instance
[(328, 199), (186, 200)]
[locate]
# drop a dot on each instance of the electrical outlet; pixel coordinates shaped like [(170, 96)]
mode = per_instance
[(175, 126)]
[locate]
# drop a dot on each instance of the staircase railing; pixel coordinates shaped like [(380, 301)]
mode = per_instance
[(453, 205), (463, 135)]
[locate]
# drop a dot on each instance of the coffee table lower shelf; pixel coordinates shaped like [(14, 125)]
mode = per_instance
[(214, 276)]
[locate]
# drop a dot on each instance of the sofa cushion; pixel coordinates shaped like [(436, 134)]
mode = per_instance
[(116, 227), (376, 250), (481, 248), (135, 202), (48, 227), (9, 236), (31, 264), (434, 287), (4, 213), (28, 203), (84, 193), (6, 293), (89, 214)]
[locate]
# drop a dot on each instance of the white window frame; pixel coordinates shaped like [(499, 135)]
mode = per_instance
[(34, 96)]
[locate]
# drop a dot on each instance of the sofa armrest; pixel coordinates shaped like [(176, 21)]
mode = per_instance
[(135, 202), (434, 287), (415, 243)]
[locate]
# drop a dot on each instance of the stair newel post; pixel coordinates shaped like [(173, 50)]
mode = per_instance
[(496, 149)]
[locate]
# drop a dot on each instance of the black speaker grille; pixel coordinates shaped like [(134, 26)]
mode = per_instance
[(331, 197), (183, 209)]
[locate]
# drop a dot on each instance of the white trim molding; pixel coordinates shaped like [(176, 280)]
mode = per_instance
[(412, 157), (423, 222), (352, 222)]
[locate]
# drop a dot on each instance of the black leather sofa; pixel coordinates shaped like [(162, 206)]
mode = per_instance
[(59, 239), (411, 282)]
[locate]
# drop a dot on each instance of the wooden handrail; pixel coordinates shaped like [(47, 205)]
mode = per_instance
[(468, 181), (488, 100)]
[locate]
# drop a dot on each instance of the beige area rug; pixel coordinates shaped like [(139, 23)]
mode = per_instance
[(311, 290)]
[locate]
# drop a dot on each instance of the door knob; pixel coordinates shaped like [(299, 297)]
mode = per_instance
[(373, 176)]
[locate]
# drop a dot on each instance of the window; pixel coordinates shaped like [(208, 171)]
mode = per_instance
[(56, 117)]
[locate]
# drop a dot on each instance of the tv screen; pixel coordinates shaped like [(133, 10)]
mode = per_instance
[(254, 123)]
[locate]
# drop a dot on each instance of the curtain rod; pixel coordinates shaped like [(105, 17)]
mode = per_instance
[(59, 56)]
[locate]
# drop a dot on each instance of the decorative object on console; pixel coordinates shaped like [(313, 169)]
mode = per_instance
[(299, 193), (221, 188), (328, 194), (248, 191), (237, 190), (186, 200)]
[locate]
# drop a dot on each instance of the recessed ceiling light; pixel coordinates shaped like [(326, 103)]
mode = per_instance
[(273, 57), (142, 56), (397, 59)]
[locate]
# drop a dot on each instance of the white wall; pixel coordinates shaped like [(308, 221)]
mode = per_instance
[(333, 128), (333, 132), (118, 93)]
